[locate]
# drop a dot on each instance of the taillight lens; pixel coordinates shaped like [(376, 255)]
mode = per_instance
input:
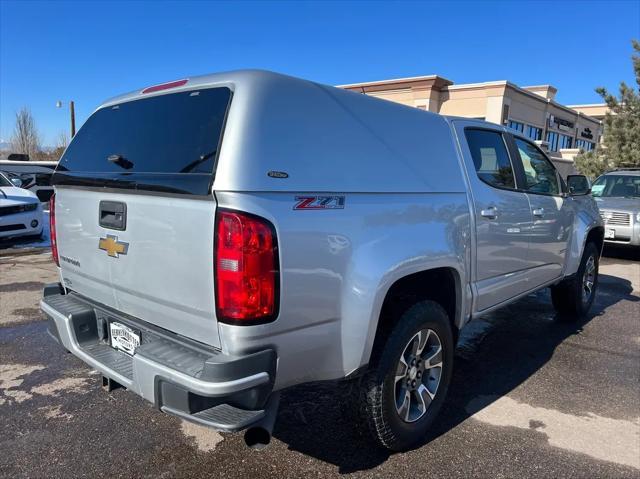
[(246, 268), (52, 229)]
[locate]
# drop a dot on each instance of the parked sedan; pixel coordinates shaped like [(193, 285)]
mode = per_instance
[(20, 210), (618, 196)]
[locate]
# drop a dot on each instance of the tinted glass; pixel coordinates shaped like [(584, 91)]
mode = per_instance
[(540, 174), (534, 132), (174, 133), (625, 186), (43, 179), (4, 181), (552, 139), (516, 125), (565, 141), (584, 145), (490, 158)]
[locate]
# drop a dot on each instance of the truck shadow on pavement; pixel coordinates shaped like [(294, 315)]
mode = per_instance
[(621, 252), (320, 420)]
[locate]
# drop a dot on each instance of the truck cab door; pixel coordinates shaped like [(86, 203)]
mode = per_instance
[(502, 215), (552, 212)]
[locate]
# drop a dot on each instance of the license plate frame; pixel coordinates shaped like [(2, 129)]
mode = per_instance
[(609, 233), (123, 338)]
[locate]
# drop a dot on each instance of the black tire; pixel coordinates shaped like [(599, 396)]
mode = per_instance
[(569, 297), (379, 387)]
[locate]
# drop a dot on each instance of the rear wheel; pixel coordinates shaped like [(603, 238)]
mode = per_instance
[(403, 393), (573, 298)]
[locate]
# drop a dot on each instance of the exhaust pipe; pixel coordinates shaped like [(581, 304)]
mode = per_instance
[(258, 436)]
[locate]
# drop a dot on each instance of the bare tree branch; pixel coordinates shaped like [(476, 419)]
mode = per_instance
[(62, 140), (25, 138)]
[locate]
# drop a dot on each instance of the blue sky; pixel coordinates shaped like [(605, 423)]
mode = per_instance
[(89, 51)]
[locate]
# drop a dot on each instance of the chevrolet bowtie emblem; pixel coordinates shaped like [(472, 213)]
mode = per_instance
[(112, 246)]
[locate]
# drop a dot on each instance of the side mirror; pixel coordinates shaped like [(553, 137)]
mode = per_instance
[(578, 185), (16, 182)]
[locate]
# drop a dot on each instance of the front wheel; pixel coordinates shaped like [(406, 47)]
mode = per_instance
[(403, 393), (573, 298)]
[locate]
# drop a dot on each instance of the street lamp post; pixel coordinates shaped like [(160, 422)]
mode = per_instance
[(72, 112)]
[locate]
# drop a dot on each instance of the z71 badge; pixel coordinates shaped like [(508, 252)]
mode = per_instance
[(319, 203)]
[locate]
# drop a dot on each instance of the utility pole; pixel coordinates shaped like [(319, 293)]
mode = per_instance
[(72, 110)]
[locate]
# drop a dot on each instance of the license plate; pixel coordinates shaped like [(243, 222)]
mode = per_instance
[(609, 233), (124, 338)]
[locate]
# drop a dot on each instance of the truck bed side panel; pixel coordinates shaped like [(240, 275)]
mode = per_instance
[(337, 266)]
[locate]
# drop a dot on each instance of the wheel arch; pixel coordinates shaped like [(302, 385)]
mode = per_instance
[(440, 284), (588, 226), (595, 235)]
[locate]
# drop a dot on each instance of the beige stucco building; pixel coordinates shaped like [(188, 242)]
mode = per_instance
[(532, 110), (594, 110)]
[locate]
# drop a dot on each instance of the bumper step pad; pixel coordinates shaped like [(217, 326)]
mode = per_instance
[(222, 417), (83, 319), (117, 360)]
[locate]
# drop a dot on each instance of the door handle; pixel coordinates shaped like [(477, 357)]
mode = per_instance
[(538, 212), (113, 215), (490, 213)]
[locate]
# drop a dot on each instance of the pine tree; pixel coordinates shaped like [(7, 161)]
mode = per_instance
[(620, 146)]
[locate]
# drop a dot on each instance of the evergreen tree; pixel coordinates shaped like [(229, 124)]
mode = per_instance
[(620, 146)]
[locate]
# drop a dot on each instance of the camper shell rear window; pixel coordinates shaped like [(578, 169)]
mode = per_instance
[(168, 143)]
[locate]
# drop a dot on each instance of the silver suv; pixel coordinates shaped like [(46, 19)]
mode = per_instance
[(224, 237), (617, 194)]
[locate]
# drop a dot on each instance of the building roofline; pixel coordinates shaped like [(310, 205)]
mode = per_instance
[(522, 90), (553, 102), (574, 112), (531, 87), (393, 80), (462, 86), (583, 105), (449, 85)]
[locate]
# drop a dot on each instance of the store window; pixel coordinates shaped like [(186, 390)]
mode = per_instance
[(552, 139), (534, 132), (516, 125), (565, 141), (584, 145)]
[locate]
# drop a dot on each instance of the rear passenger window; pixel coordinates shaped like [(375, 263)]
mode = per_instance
[(490, 157), (540, 174)]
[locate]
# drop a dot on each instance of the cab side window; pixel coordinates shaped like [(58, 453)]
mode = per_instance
[(490, 157), (540, 174)]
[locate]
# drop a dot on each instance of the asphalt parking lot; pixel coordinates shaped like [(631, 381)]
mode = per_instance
[(530, 397)]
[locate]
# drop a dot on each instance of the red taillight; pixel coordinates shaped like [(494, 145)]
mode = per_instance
[(165, 86), (246, 268), (52, 229)]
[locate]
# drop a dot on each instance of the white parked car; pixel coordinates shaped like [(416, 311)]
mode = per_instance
[(20, 210), (35, 175)]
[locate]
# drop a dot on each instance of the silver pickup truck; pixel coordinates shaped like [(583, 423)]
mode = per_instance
[(223, 237)]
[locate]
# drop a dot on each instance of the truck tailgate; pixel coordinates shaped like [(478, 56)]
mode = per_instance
[(158, 269)]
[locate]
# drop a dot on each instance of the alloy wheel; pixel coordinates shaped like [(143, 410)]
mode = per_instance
[(418, 375), (588, 279)]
